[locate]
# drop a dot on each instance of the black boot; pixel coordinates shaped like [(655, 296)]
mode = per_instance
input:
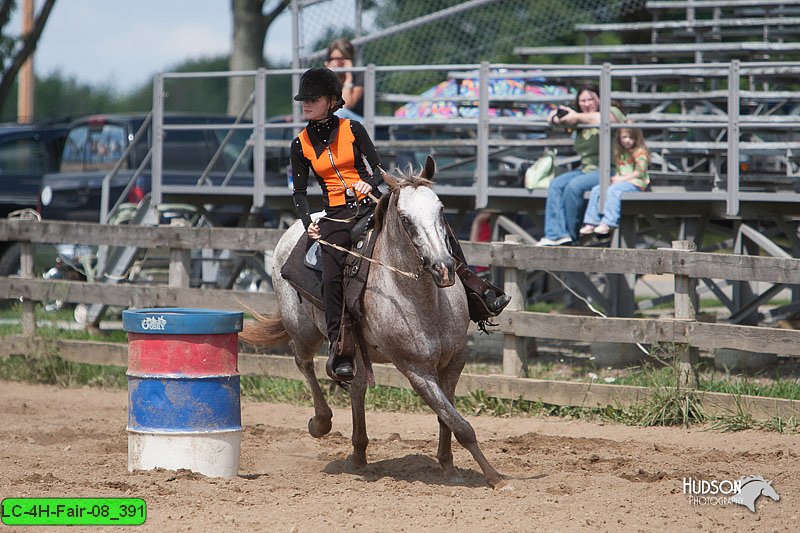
[(496, 302), (339, 367), (485, 299)]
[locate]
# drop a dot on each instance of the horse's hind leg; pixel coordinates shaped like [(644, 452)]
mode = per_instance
[(428, 388), (320, 424)]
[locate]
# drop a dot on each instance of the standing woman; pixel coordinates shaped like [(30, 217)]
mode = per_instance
[(565, 202), (333, 148)]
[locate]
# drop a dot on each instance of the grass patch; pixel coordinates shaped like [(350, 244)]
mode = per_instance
[(668, 406), (56, 371)]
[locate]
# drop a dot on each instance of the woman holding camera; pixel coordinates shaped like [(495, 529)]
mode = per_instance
[(342, 54), (565, 202)]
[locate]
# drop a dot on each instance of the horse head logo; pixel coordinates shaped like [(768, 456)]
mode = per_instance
[(752, 488)]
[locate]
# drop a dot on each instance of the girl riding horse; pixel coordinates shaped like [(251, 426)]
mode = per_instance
[(335, 149)]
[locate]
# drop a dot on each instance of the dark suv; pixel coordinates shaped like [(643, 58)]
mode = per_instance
[(27, 151)]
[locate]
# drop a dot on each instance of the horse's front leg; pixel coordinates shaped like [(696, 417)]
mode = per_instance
[(320, 424), (358, 391), (448, 379), (427, 387)]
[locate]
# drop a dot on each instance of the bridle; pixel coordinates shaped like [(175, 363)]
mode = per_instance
[(411, 275)]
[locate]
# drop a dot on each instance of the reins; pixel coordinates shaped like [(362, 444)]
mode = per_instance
[(356, 254), (373, 261)]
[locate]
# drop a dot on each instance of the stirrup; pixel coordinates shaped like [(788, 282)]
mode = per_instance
[(339, 368)]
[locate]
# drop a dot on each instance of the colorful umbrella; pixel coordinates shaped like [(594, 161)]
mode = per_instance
[(513, 84)]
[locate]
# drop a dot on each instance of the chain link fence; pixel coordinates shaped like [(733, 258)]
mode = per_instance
[(446, 31)]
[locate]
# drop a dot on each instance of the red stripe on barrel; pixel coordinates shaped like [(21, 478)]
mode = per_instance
[(193, 355)]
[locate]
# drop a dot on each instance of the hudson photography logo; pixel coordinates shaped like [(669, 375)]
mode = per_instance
[(744, 491)]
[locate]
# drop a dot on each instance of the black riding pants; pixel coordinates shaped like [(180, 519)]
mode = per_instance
[(333, 261)]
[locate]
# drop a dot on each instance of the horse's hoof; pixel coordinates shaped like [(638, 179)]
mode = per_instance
[(356, 463), (318, 429), (453, 476), (504, 486)]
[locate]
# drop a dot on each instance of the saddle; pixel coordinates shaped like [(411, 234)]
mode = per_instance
[(303, 269)]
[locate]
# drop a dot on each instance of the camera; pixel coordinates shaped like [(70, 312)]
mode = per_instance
[(561, 113)]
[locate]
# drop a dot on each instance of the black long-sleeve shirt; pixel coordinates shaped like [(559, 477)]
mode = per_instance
[(321, 135)]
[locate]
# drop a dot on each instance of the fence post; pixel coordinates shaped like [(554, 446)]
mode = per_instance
[(26, 272), (686, 309), (179, 268), (515, 349)]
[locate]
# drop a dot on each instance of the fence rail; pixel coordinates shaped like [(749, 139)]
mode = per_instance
[(649, 89), (516, 324)]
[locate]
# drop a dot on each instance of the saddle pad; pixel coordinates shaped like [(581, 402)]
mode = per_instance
[(307, 282)]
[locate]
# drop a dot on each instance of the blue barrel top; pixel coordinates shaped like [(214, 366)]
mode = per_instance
[(181, 321)]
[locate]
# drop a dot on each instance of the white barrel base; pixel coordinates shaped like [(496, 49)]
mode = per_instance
[(210, 454)]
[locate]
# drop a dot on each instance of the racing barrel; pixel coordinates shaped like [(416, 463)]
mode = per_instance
[(183, 390)]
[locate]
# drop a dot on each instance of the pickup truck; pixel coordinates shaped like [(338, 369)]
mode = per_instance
[(95, 144), (98, 144), (27, 151)]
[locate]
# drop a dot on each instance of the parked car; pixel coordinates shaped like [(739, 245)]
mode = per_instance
[(27, 151), (97, 144)]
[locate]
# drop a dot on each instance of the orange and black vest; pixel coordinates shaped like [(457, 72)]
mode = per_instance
[(335, 165)]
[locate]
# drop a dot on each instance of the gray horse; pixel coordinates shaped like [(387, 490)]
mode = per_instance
[(419, 325)]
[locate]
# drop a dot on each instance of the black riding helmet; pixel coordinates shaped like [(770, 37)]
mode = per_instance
[(317, 82)]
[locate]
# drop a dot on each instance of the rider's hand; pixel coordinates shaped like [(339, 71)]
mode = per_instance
[(363, 187), (313, 231)]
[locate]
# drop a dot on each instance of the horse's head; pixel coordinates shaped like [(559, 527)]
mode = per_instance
[(421, 215), (769, 491)]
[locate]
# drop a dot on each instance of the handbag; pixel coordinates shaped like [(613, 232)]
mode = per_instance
[(542, 171)]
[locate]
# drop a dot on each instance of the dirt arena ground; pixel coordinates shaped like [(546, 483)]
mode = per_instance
[(567, 475)]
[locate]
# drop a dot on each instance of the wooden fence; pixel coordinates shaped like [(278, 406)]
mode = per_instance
[(516, 325)]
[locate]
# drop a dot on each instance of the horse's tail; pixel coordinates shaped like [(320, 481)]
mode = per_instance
[(265, 331)]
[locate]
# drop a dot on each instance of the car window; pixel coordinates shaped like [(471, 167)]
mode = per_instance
[(93, 148), (233, 148), (74, 148), (23, 155), (185, 150), (104, 147)]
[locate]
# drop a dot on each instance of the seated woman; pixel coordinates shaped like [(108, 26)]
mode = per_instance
[(565, 203)]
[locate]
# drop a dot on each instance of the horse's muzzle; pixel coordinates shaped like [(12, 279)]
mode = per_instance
[(443, 273)]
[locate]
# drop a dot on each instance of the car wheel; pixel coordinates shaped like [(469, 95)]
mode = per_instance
[(9, 262)]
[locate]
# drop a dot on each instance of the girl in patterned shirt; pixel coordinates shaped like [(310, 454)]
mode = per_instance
[(632, 159)]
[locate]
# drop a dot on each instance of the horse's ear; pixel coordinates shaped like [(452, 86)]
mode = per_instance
[(430, 169)]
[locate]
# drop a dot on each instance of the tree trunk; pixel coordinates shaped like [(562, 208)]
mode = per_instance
[(29, 42), (249, 32)]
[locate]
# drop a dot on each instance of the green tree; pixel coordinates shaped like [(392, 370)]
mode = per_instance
[(250, 25), (14, 51), (205, 95), (59, 97)]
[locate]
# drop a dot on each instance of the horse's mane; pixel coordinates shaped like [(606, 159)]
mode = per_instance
[(395, 183)]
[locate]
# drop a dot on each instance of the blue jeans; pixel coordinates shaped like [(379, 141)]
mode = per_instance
[(565, 203), (612, 206)]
